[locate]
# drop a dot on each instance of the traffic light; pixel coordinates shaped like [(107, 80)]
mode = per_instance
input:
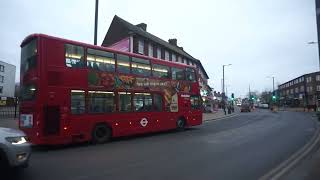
[(274, 97), (232, 96)]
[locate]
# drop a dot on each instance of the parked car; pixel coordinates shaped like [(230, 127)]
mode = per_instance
[(245, 108), (15, 150)]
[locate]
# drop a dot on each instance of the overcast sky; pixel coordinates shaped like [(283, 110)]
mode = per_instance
[(259, 38)]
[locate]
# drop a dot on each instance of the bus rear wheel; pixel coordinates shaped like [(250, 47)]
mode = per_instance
[(101, 134), (181, 123)]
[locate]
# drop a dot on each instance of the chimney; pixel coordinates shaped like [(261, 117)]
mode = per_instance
[(173, 41), (143, 26)]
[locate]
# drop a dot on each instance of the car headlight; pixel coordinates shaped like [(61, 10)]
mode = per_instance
[(17, 140)]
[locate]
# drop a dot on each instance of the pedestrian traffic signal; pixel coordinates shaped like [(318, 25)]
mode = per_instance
[(274, 97)]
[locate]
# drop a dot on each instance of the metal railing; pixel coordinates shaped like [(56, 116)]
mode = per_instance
[(9, 112)]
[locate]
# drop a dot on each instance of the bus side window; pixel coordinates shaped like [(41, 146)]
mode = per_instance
[(142, 102), (190, 74), (77, 102), (195, 102), (157, 102), (177, 74), (123, 64), (160, 71), (124, 101), (74, 56), (100, 60), (100, 102), (140, 66)]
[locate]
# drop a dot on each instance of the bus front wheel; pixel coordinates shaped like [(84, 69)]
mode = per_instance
[(101, 134), (181, 123)]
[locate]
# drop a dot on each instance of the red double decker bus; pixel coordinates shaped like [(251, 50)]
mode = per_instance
[(74, 92)]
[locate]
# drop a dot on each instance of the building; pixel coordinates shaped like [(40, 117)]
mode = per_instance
[(7, 82), (303, 91), (125, 36)]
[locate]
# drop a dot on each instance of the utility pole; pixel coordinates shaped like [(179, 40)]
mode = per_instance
[(318, 25), (272, 84), (96, 22), (223, 77)]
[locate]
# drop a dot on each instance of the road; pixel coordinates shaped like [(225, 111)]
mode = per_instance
[(242, 147)]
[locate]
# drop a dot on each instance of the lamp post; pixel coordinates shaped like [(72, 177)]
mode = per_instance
[(96, 22), (223, 77), (315, 42), (272, 82)]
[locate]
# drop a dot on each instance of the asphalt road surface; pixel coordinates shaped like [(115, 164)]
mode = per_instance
[(242, 147)]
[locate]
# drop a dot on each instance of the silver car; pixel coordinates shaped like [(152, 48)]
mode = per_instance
[(15, 149)]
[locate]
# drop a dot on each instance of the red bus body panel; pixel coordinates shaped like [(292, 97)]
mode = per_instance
[(54, 81)]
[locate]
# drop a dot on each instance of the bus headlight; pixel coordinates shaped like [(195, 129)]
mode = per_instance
[(17, 140)]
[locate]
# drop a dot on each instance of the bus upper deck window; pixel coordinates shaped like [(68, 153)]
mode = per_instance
[(74, 56), (190, 74), (100, 60)]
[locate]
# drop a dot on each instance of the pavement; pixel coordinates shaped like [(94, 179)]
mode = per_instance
[(245, 146), (216, 115)]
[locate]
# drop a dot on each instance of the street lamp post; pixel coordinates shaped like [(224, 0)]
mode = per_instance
[(96, 22), (272, 82), (223, 77)]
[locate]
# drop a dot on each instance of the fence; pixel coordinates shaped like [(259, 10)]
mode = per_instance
[(9, 112)]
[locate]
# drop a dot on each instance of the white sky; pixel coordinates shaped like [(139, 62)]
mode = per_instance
[(259, 38)]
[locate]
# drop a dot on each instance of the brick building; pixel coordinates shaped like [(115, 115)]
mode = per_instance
[(125, 36), (302, 91)]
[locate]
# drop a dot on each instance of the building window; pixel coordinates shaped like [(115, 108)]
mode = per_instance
[(291, 91), (296, 90), (309, 79), (318, 87), (1, 89), (157, 101), (124, 102), (179, 59), (301, 88), (183, 60), (166, 55), (158, 53), (174, 58), (1, 78), (100, 60), (309, 89), (141, 47), (123, 64), (1, 68), (160, 71), (318, 77), (77, 102), (150, 50), (74, 56), (140, 66), (142, 102), (100, 102)]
